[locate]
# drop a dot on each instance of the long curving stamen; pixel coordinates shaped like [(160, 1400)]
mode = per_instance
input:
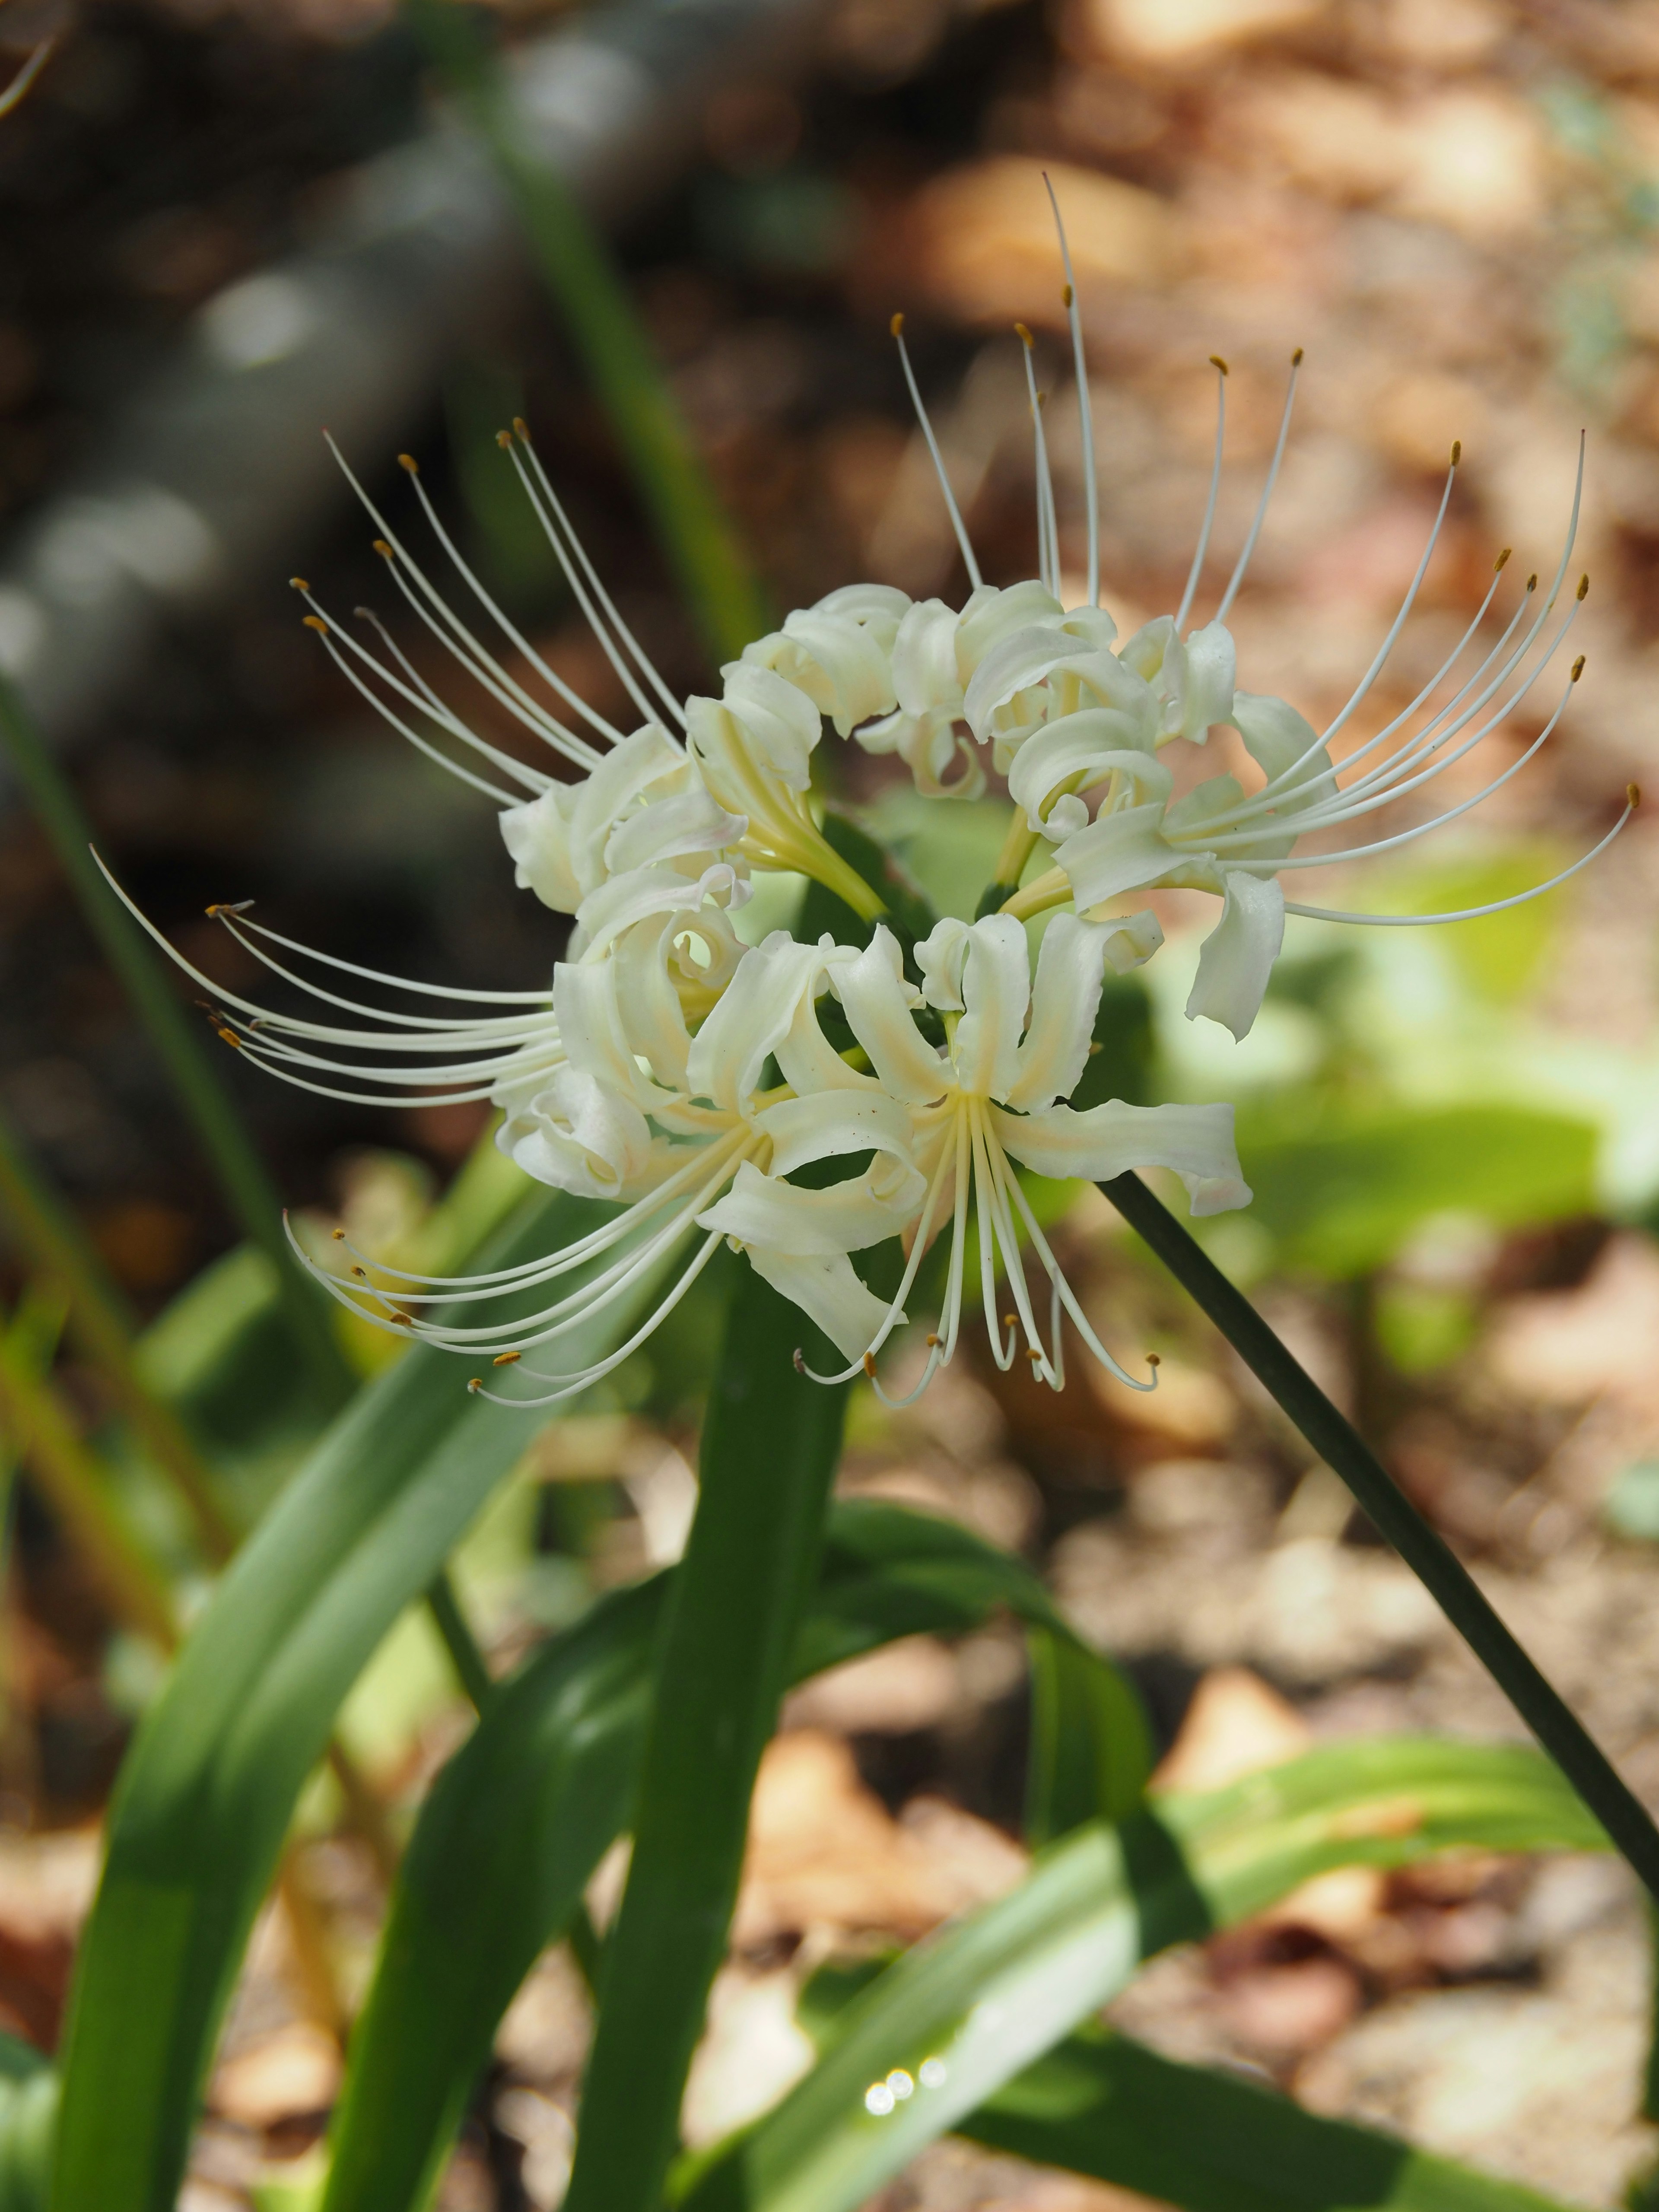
[(534, 778), (329, 632), (604, 1367), (380, 975), (957, 523), (1244, 562), (1389, 641), (1085, 404), (894, 1313), (1066, 1297), (1047, 527), (562, 534), (1474, 913), (508, 628), (486, 671), (1203, 545), (1422, 829), (436, 612)]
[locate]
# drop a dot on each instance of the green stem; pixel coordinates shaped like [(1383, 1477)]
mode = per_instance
[(585, 282), (237, 1166), (1395, 1518), (75, 1487), (472, 1670), (769, 1446), (100, 1320)]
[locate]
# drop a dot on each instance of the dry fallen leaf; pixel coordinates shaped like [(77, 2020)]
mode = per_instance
[(825, 1853)]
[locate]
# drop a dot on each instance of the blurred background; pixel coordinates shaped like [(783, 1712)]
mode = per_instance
[(218, 233)]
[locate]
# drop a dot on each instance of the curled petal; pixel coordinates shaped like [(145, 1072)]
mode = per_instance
[(831, 1123), (1239, 952), (1278, 740), (684, 822), (1118, 853), (1079, 751), (580, 1136), (559, 839), (617, 905), (1064, 1001), (753, 1016), (996, 991), (825, 1287), (1196, 1141), (761, 1211), (877, 1001)]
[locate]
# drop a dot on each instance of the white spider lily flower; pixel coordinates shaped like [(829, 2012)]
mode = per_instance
[(754, 745), (675, 1126), (642, 807), (988, 1097), (935, 653)]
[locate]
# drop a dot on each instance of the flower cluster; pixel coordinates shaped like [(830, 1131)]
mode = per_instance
[(808, 1102)]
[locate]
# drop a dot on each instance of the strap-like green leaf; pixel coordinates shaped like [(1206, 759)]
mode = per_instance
[(517, 1821), (1208, 2142), (956, 2019), (210, 1785), (28, 2113)]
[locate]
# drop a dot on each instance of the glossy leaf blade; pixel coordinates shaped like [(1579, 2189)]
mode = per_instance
[(957, 2018), (208, 1787), (514, 1825), (1207, 2141), (771, 1439)]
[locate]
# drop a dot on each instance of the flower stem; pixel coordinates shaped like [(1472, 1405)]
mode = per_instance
[(578, 271), (1052, 888), (769, 1446), (237, 1166), (472, 1670), (77, 1489), (1395, 1518), (99, 1320)]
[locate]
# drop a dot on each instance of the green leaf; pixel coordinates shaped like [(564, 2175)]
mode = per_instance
[(770, 1440), (1341, 1197), (960, 2015), (1091, 1748), (1102, 2104), (497, 1864), (208, 1790), (519, 1819), (28, 2115)]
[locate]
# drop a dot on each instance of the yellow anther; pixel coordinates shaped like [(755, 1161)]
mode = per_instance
[(316, 622), (1633, 793), (1008, 1320), (507, 1358), (1296, 358), (1033, 1355), (1579, 668), (933, 1341), (1583, 585), (1024, 334), (1503, 560), (384, 549), (504, 439), (476, 1384), (1094, 1046), (1216, 362), (896, 326), (1532, 581), (339, 1234), (1457, 451), (402, 1320), (1065, 298), (408, 462), (870, 1365), (362, 1274), (298, 584), (521, 428), (1154, 1359), (230, 1038)]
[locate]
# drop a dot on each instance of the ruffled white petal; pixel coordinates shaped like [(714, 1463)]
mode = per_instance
[(1238, 954), (1103, 1141), (826, 1289)]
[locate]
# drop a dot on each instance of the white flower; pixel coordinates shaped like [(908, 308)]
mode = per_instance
[(988, 1097)]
